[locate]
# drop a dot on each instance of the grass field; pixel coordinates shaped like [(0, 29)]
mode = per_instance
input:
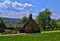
[(33, 37)]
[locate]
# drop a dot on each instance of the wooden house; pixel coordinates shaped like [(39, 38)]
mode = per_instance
[(30, 26), (10, 26)]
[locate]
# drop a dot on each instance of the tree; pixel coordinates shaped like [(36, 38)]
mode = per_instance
[(2, 25), (58, 23), (43, 18), (53, 24), (20, 21)]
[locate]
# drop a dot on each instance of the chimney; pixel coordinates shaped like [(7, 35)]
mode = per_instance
[(30, 16)]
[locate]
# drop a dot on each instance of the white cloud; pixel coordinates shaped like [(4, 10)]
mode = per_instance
[(13, 14), (55, 16), (5, 3), (16, 5), (43, 9), (6, 6), (26, 4), (20, 6)]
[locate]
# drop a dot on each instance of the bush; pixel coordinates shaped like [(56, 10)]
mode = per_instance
[(9, 32)]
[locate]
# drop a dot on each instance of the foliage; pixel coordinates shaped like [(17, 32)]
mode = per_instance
[(9, 32), (53, 24), (21, 20), (43, 18), (1, 18), (2, 25), (58, 23)]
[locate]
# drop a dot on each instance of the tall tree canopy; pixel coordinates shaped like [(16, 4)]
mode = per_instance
[(43, 18)]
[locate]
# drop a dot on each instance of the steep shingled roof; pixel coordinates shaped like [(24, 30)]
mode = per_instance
[(29, 19)]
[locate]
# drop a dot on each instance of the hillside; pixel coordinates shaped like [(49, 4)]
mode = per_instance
[(10, 19)]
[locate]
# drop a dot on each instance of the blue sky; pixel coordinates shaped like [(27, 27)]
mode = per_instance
[(20, 8)]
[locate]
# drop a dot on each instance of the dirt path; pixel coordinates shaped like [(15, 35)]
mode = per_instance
[(25, 33), (50, 31), (13, 34)]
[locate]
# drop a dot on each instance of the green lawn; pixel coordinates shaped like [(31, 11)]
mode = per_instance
[(33, 37)]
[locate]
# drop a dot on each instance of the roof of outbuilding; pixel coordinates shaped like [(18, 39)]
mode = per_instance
[(20, 25)]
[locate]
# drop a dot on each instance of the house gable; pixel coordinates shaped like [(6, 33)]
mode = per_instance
[(30, 26)]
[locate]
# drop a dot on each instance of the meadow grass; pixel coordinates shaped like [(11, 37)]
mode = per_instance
[(33, 37)]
